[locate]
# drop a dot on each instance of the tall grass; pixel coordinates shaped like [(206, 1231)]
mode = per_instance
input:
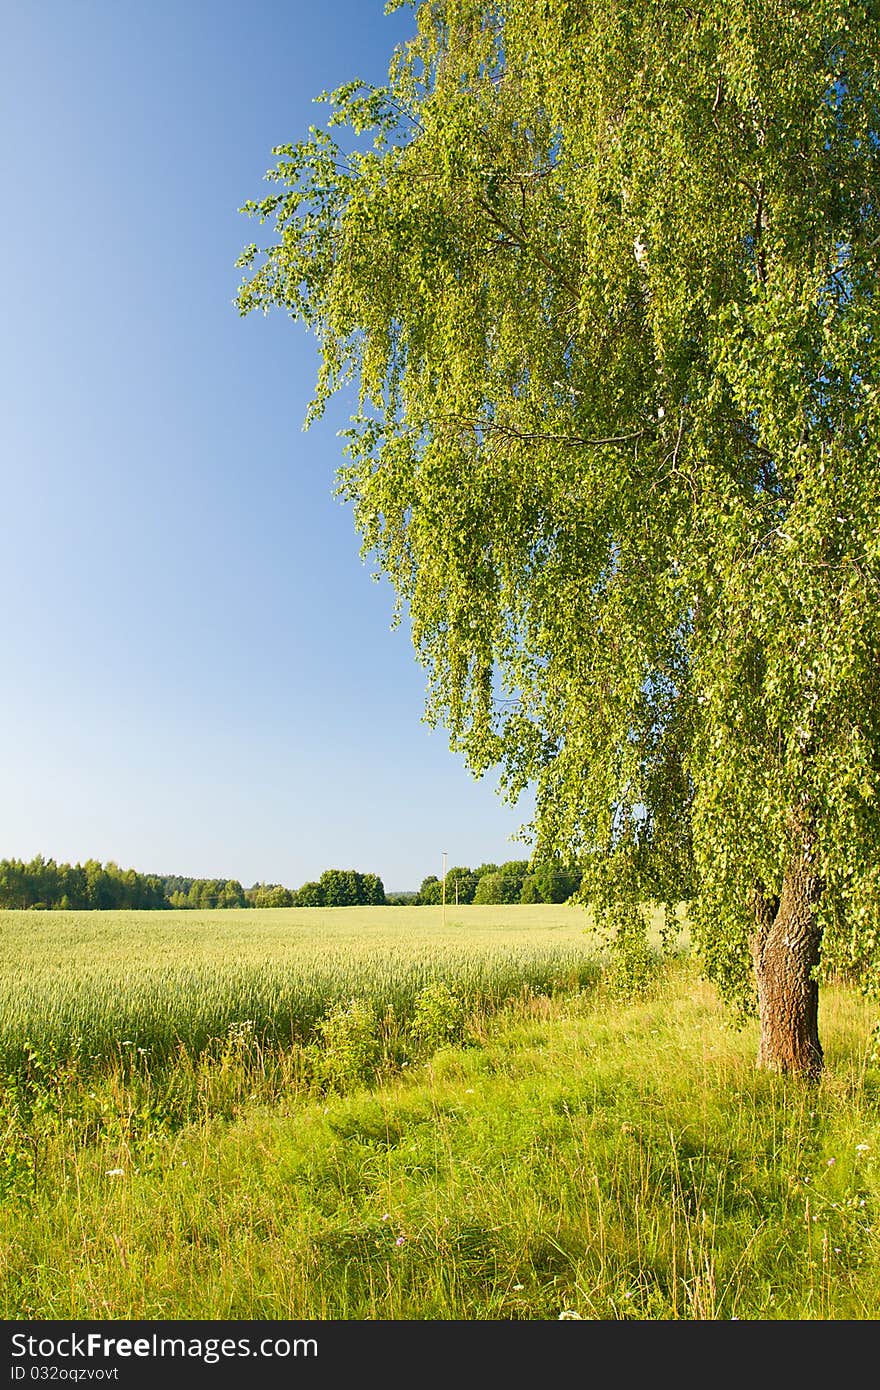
[(579, 1158)]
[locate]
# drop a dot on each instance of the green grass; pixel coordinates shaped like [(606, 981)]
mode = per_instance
[(576, 1154)]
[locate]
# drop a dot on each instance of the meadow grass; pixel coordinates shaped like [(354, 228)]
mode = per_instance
[(579, 1156)]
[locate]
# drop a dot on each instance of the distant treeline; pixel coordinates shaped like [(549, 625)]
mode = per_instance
[(44, 884), (513, 882)]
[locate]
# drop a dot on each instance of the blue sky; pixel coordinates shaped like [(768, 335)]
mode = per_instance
[(200, 676)]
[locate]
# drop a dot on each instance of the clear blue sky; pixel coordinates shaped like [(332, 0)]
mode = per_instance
[(199, 676)]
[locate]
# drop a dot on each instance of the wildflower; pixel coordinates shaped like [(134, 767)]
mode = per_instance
[(518, 1287), (385, 1215), (831, 1162), (143, 1051), (115, 1173), (862, 1148), (401, 1240), (569, 1314)]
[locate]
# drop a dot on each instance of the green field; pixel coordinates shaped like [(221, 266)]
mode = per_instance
[(477, 1121), (89, 983)]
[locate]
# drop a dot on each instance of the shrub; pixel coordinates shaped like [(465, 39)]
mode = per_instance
[(348, 1049), (438, 1017)]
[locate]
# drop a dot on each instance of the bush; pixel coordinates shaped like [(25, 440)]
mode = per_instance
[(438, 1018), (348, 1049)]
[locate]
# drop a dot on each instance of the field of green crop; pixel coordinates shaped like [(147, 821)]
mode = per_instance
[(91, 984)]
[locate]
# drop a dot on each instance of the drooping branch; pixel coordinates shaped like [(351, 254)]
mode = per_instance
[(540, 436)]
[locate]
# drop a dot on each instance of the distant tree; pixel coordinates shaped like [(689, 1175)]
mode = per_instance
[(203, 894), (482, 869), (498, 887), (99, 885), (353, 887), (555, 883), (372, 891), (461, 884), (12, 884), (310, 895), (232, 894), (174, 885), (530, 892), (339, 887), (515, 869), (431, 891)]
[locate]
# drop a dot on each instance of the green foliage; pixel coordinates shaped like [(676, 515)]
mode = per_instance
[(530, 893), (272, 895), (19, 1147), (45, 884), (555, 883), (461, 884), (372, 890), (438, 1017), (502, 885), (310, 895), (605, 282), (348, 888), (634, 962), (431, 891), (348, 1049), (498, 888), (208, 893)]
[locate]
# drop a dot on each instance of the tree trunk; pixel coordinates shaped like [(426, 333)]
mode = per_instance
[(785, 953)]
